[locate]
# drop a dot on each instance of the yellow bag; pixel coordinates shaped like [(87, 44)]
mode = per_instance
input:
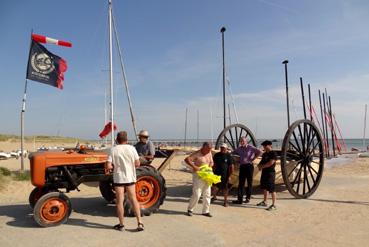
[(206, 174)]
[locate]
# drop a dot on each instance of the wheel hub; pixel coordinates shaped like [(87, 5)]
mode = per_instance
[(53, 210), (145, 191)]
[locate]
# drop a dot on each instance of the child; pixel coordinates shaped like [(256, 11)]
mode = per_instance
[(267, 181)]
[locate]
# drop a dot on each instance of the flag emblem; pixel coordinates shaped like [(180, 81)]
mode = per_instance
[(42, 63)]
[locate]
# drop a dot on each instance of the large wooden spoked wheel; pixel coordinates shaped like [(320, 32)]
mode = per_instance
[(302, 158), (232, 134)]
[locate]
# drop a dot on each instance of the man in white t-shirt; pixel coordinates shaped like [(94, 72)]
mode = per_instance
[(123, 160)]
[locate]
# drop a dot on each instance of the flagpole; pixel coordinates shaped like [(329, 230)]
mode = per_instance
[(24, 108), (111, 74), (22, 124)]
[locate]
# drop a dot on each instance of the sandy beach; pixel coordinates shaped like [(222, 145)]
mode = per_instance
[(336, 215)]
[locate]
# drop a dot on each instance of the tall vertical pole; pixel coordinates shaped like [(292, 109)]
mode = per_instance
[(366, 106), (222, 30), (24, 109), (285, 62), (211, 126), (303, 97), (229, 115), (198, 126), (185, 135), (323, 126), (125, 79), (332, 126), (326, 125), (310, 106), (111, 74), (22, 123)]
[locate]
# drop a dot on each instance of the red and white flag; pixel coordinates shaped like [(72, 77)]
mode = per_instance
[(48, 40)]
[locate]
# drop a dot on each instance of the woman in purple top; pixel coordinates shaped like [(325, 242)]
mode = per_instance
[(248, 154)]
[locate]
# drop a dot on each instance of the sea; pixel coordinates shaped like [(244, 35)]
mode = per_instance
[(347, 144)]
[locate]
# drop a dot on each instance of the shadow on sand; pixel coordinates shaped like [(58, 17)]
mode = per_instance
[(22, 215)]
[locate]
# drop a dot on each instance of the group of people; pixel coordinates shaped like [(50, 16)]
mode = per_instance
[(223, 165), (122, 162), (124, 159)]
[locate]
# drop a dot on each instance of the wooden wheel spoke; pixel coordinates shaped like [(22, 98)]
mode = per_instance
[(236, 137), (307, 182), (239, 137), (313, 169), (299, 182), (302, 139), (297, 176), (297, 142), (316, 144), (297, 164), (294, 147), (318, 154), (310, 141), (315, 162), (305, 179), (306, 136), (230, 143), (311, 174), (289, 154), (230, 133)]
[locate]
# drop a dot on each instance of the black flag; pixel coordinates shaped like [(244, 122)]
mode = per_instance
[(45, 67)]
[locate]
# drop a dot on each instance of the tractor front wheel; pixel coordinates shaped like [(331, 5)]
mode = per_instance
[(52, 209)]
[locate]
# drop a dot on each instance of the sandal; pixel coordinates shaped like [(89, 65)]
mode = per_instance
[(140, 227), (118, 227)]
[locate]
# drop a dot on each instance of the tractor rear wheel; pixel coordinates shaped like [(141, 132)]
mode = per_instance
[(150, 191), (34, 196), (37, 193), (107, 190), (52, 209)]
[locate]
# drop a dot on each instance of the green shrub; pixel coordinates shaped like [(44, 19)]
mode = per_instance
[(5, 171), (22, 176)]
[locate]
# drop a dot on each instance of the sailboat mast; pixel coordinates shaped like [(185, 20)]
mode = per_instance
[(111, 74), (124, 78), (364, 135)]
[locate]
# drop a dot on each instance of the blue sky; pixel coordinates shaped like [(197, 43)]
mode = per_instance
[(172, 54)]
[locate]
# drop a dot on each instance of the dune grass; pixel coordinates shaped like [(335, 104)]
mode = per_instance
[(40, 138), (6, 176), (21, 176)]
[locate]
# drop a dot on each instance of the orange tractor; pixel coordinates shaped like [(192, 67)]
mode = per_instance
[(55, 173)]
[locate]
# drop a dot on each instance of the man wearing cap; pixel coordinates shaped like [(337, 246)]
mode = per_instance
[(248, 154), (223, 166), (267, 180), (145, 148)]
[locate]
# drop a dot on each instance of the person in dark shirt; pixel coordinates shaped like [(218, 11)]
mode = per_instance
[(223, 166), (267, 181), (145, 148)]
